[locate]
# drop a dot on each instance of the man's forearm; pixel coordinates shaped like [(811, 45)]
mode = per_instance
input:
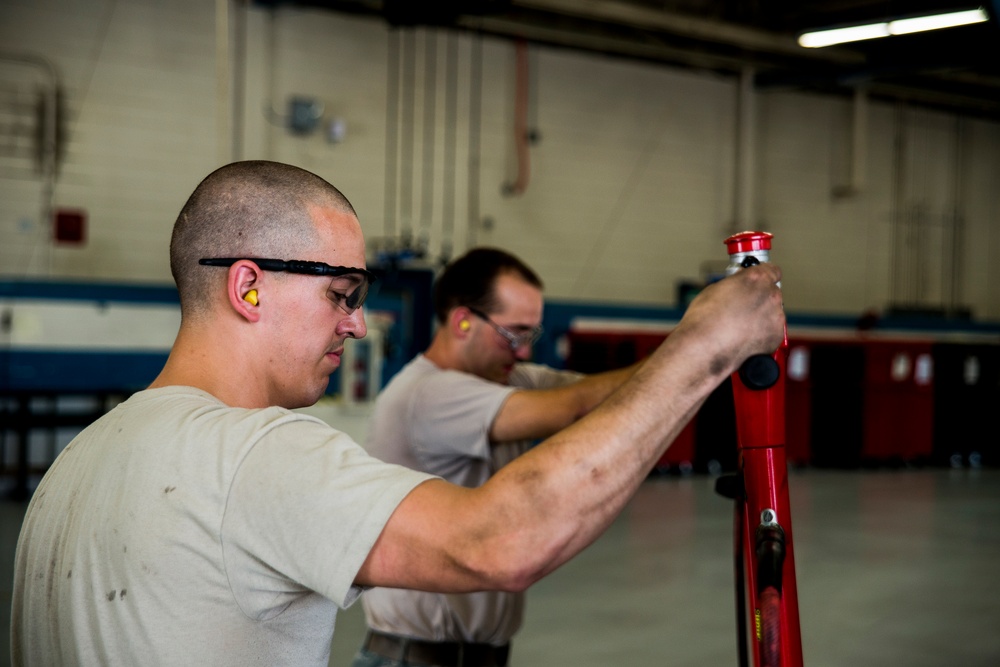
[(593, 389), (566, 491), (561, 495), (538, 413)]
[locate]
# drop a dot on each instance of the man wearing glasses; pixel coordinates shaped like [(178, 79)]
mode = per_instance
[(469, 404), (203, 522)]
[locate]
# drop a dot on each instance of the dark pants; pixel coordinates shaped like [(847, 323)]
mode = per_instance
[(383, 650)]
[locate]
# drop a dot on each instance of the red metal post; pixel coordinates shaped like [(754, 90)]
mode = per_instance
[(759, 399)]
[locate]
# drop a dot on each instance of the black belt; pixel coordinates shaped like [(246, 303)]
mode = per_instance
[(439, 654)]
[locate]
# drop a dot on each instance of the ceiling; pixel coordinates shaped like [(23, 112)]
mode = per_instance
[(956, 69)]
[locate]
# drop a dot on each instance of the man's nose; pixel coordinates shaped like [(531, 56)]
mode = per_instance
[(354, 324)]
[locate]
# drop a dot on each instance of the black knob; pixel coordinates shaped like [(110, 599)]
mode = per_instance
[(760, 371)]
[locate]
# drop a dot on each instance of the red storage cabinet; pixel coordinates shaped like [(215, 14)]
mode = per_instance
[(898, 426), (679, 457), (798, 397), (836, 402), (596, 351), (966, 398)]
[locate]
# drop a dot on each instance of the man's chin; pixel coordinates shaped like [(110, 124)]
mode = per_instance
[(503, 377), (310, 399)]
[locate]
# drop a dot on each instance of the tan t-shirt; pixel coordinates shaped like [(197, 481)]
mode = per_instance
[(438, 421), (176, 530)]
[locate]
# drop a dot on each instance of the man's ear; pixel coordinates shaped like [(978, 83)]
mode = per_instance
[(460, 321), (245, 287)]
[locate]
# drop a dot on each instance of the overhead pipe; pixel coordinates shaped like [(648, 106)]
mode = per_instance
[(720, 32)]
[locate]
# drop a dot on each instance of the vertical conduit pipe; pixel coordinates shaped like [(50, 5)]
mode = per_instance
[(270, 65), (430, 122), (49, 148), (957, 218), (406, 190), (223, 72), (859, 146), (450, 107), (50, 154), (859, 140), (521, 91), (743, 195), (239, 81), (896, 236), (475, 119), (391, 134)]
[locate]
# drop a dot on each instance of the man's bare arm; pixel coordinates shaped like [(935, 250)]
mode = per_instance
[(550, 503), (538, 413)]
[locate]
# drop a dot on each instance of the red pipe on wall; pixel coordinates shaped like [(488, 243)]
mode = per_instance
[(521, 84)]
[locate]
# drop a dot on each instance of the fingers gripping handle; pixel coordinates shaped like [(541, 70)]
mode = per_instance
[(750, 247), (746, 249)]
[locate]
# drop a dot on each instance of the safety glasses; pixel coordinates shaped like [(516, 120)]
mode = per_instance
[(514, 340), (350, 302)]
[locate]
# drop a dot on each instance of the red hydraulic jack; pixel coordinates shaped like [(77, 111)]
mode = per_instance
[(763, 554)]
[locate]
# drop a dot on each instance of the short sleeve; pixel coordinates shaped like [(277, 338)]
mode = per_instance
[(306, 506), (453, 413)]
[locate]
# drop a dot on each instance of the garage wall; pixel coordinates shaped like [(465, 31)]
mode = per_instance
[(631, 185)]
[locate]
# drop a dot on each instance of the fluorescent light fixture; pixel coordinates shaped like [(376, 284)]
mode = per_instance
[(920, 23), (857, 33)]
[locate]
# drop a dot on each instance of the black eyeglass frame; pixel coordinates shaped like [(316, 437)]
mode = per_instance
[(353, 301), (514, 340)]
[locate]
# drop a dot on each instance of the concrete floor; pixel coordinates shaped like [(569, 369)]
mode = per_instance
[(893, 568)]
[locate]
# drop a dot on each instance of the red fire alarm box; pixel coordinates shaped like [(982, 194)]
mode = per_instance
[(69, 226)]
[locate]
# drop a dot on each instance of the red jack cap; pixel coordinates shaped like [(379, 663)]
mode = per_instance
[(748, 242)]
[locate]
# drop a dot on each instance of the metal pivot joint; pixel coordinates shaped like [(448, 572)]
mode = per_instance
[(770, 550)]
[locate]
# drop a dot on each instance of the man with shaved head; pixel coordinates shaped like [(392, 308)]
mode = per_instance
[(203, 522)]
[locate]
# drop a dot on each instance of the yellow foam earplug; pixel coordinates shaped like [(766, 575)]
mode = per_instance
[(251, 297), (464, 325)]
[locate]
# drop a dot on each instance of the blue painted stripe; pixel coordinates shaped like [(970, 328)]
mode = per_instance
[(78, 371), (88, 291)]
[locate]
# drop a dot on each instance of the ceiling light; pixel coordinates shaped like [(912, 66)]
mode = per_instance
[(820, 38), (937, 21), (856, 33)]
